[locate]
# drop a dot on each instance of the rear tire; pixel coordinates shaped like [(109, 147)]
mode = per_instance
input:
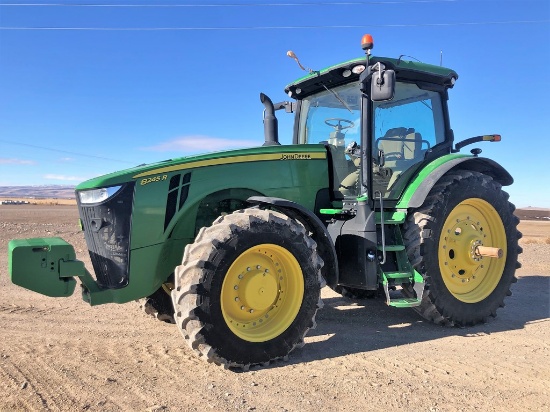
[(159, 305), (463, 210), (248, 289)]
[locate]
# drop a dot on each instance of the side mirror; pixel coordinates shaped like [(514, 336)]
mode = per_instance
[(382, 86)]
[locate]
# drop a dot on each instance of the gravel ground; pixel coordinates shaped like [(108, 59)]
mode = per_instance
[(63, 355)]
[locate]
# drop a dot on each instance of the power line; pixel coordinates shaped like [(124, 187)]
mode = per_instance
[(213, 5), (394, 25), (66, 152), (317, 3)]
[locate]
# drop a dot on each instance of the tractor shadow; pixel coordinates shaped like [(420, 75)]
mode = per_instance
[(346, 326)]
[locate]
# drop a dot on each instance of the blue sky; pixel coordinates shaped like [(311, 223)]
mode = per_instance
[(88, 90)]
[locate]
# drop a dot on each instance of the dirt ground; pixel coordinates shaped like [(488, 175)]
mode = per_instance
[(63, 355)]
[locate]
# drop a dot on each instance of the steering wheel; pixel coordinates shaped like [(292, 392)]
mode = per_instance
[(337, 123)]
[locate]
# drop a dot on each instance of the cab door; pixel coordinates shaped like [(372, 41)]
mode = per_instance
[(405, 130)]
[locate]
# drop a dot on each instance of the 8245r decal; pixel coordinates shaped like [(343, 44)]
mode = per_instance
[(153, 179)]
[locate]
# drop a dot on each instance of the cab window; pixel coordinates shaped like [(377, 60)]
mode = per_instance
[(405, 128)]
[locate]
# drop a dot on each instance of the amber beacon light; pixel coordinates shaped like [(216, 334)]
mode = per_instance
[(367, 43)]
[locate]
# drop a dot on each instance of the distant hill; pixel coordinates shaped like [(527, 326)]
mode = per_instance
[(67, 192), (38, 192), (533, 213)]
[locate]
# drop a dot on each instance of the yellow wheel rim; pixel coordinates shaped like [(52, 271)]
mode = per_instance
[(168, 287), (262, 293), (469, 277)]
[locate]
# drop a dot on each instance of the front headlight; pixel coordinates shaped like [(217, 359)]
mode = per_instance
[(97, 195)]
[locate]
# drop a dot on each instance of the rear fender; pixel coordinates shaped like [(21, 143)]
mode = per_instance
[(420, 186)]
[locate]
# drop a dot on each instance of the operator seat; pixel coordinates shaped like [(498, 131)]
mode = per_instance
[(400, 144), (402, 148)]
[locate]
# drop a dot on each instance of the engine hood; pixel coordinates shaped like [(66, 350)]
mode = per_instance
[(197, 161)]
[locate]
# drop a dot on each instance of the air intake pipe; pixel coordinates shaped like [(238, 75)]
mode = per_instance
[(271, 127)]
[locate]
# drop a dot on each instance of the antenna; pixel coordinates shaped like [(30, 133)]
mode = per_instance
[(441, 58), (292, 55)]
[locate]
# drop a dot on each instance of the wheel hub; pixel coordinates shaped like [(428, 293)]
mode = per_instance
[(262, 292), (460, 246), (258, 290)]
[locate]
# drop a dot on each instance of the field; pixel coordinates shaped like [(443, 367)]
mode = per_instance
[(42, 201), (63, 355)]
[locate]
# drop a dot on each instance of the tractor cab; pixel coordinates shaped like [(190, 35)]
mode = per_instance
[(379, 118)]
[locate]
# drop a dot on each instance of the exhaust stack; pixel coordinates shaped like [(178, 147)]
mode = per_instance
[(271, 126)]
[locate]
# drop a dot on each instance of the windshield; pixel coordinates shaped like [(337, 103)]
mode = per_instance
[(331, 116)]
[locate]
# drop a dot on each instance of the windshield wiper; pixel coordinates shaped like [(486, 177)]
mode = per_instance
[(338, 97)]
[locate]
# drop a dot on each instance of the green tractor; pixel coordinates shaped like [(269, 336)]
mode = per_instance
[(371, 198)]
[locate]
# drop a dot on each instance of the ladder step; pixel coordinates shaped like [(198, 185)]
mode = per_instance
[(392, 248), (405, 302), (417, 283), (397, 275)]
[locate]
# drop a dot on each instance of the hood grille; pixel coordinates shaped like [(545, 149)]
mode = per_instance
[(107, 232)]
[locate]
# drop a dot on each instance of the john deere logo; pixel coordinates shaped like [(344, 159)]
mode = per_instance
[(296, 156)]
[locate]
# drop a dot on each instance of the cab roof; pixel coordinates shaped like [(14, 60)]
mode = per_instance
[(339, 74)]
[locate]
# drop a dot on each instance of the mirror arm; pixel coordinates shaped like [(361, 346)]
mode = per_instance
[(290, 107)]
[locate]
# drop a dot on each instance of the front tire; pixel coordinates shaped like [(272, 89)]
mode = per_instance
[(462, 211), (248, 289)]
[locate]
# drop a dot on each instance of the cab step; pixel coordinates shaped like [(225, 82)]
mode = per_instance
[(405, 302), (414, 279), (405, 276)]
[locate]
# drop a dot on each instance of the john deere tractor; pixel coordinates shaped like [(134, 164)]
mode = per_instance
[(373, 197)]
